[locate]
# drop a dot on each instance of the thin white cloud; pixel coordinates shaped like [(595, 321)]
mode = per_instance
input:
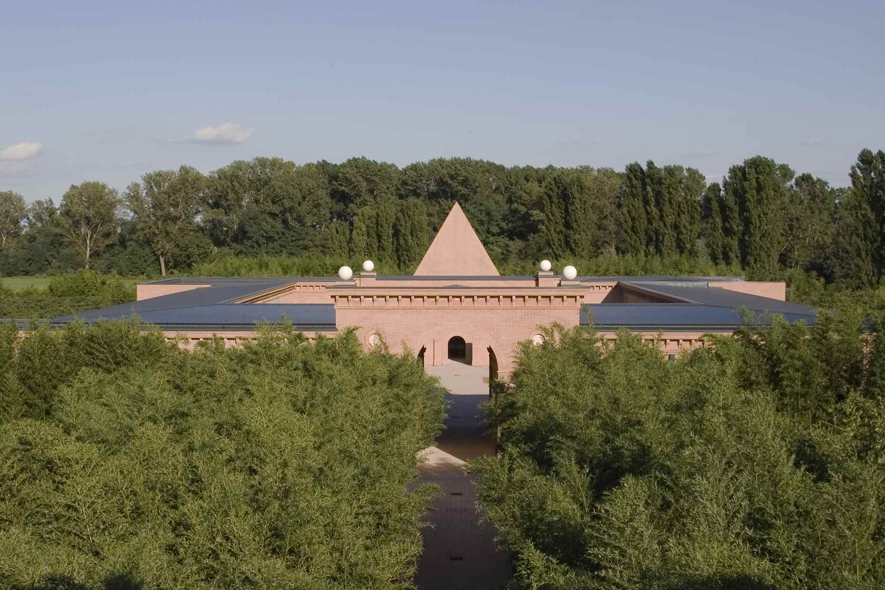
[(20, 151), (17, 157), (225, 133), (812, 142)]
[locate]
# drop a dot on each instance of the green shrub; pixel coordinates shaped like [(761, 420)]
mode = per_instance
[(85, 283), (623, 470), (67, 294), (44, 359), (283, 464), (277, 266), (25, 307), (628, 265)]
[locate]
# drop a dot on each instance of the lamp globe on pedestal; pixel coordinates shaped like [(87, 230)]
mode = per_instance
[(545, 265), (570, 273), (368, 266), (345, 273)]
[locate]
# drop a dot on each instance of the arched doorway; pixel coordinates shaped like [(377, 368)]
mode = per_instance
[(421, 355), (457, 349), (493, 367), (495, 387)]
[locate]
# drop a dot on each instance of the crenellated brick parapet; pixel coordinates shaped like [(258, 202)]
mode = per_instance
[(296, 292), (486, 293), (669, 342), (456, 298), (190, 339)]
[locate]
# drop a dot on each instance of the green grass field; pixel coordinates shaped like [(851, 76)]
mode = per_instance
[(21, 283)]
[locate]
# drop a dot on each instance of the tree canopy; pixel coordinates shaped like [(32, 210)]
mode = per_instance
[(282, 463), (756, 463), (165, 207), (88, 216), (762, 219), (13, 212)]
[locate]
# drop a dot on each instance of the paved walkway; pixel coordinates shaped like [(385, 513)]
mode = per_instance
[(459, 553)]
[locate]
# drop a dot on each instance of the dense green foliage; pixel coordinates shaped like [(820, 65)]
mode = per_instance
[(272, 266), (66, 294), (88, 218), (13, 212), (126, 462), (757, 463), (762, 218)]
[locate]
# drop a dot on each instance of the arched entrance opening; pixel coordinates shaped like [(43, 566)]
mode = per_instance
[(493, 367), (494, 390), (421, 355), (457, 349)]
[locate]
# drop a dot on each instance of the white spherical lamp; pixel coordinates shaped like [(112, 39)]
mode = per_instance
[(545, 265), (345, 273), (368, 266), (570, 273)]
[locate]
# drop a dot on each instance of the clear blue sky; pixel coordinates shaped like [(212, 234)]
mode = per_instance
[(110, 90)]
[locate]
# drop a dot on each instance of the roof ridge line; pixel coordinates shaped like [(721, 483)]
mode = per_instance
[(660, 293), (266, 304), (693, 304)]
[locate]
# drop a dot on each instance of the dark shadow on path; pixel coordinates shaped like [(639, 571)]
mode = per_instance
[(466, 435), (459, 552)]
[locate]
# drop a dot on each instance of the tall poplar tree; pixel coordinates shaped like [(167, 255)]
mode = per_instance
[(760, 187), (634, 219), (590, 197), (385, 226), (861, 231), (688, 211), (653, 200), (809, 224), (338, 239), (667, 192), (732, 227), (713, 232), (362, 238), (553, 214), (412, 232), (581, 235)]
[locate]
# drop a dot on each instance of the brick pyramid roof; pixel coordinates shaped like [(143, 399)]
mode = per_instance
[(456, 250)]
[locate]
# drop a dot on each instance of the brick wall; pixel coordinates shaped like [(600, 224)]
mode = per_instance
[(431, 329)]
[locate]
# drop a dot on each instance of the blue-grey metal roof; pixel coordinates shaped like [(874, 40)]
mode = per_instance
[(695, 305), (221, 316), (699, 292), (236, 280), (674, 316), (214, 294)]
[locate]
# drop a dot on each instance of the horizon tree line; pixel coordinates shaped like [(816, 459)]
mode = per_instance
[(762, 217)]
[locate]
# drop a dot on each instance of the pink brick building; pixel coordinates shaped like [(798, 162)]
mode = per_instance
[(457, 306)]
